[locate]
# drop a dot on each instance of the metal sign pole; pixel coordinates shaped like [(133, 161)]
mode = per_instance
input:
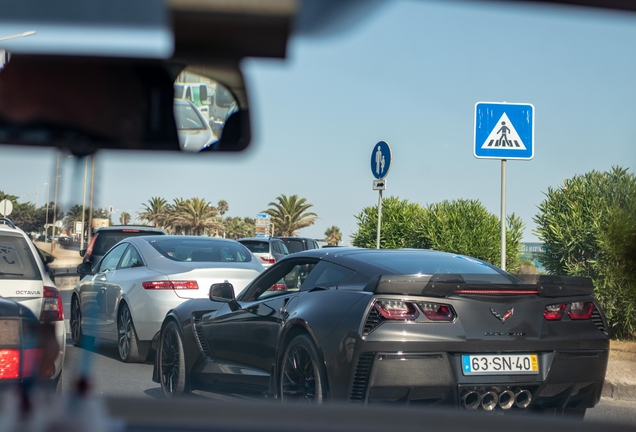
[(503, 214), (377, 243)]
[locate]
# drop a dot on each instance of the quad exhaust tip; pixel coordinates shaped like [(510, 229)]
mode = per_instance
[(489, 400)]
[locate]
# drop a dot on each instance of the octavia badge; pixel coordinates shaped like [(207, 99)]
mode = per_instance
[(504, 318)]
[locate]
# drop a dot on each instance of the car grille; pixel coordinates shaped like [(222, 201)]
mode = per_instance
[(373, 321), (598, 320), (197, 328), (361, 377)]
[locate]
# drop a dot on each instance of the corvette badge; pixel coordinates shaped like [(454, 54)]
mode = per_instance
[(504, 318)]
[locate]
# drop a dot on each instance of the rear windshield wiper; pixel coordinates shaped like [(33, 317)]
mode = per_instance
[(10, 274)]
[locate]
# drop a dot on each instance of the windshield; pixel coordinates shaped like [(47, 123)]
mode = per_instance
[(429, 80), (104, 240)]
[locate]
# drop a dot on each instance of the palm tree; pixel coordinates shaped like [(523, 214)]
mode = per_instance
[(155, 212), (74, 214), (124, 218), (223, 207), (195, 216), (333, 236), (290, 214)]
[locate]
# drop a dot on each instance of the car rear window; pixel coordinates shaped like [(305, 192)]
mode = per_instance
[(107, 239), (16, 259), (294, 245), (471, 269), (200, 250), (256, 246)]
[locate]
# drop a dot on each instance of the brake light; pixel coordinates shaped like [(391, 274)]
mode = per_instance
[(9, 364), (437, 312), (130, 230), (396, 309), (554, 312), (497, 292), (52, 308), (89, 249), (268, 260), (581, 310), (166, 284)]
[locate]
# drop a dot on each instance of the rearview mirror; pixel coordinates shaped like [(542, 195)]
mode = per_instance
[(223, 292), (87, 104), (84, 269)]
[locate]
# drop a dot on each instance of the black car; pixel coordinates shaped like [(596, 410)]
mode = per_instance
[(405, 326), (297, 244), (24, 343), (107, 237)]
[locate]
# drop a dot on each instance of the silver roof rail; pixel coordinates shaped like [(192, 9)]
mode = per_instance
[(7, 221)]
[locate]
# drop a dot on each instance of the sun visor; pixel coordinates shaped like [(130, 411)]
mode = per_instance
[(96, 28)]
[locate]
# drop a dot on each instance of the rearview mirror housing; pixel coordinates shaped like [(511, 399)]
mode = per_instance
[(85, 269), (223, 292)]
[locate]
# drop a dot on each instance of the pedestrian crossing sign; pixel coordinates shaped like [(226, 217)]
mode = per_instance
[(504, 131)]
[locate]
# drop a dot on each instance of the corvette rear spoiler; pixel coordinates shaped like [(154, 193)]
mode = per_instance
[(445, 285)]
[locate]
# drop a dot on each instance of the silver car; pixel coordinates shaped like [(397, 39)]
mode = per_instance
[(126, 297), (193, 129)]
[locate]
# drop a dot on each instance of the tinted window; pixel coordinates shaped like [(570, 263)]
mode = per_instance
[(283, 248), (404, 262), (201, 250), (107, 239), (327, 275), (256, 246), (16, 259), (294, 245)]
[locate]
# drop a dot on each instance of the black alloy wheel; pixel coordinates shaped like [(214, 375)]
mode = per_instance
[(302, 376), (172, 361), (131, 350), (78, 337)]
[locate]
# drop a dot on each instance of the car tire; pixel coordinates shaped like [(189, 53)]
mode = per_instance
[(131, 350), (302, 376), (77, 335), (172, 374)]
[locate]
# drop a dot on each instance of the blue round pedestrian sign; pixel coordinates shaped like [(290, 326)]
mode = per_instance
[(381, 159)]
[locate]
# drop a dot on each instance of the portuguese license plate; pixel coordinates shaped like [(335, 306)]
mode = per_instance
[(494, 364)]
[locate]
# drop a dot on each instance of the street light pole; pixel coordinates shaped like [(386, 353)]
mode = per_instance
[(83, 205), (57, 171), (46, 224), (90, 205), (25, 34)]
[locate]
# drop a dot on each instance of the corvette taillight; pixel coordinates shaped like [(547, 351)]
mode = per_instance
[(52, 309), (166, 284), (437, 312), (278, 286), (554, 312), (396, 309), (581, 310)]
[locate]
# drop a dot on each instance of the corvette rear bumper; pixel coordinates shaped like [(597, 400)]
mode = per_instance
[(566, 379)]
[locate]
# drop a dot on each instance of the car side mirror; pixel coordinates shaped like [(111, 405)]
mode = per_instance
[(82, 252), (85, 269), (49, 259), (223, 292)]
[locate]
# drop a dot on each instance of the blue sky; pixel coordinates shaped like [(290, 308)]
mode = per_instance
[(411, 75)]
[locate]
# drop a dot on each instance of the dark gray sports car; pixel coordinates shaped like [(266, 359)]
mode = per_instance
[(409, 326)]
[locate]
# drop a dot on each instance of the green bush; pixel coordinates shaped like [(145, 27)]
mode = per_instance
[(462, 226), (588, 227)]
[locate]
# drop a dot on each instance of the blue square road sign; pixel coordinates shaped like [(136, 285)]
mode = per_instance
[(504, 131)]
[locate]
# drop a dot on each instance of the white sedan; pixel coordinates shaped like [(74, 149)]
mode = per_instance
[(127, 296)]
